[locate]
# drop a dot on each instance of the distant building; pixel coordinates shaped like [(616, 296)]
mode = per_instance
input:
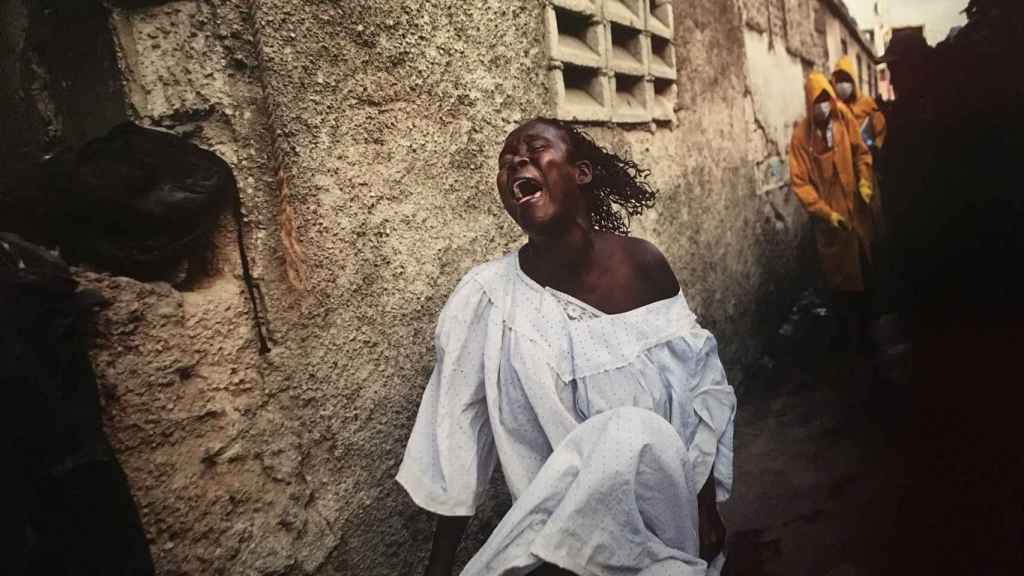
[(843, 37), (877, 32)]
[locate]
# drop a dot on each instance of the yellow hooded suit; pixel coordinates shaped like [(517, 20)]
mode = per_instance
[(864, 107), (826, 181)]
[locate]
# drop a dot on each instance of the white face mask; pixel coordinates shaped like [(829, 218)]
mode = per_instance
[(822, 110), (844, 90)]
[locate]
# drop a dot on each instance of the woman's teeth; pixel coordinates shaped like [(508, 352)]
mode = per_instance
[(524, 188)]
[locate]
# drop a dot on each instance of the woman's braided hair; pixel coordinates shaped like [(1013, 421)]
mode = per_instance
[(619, 188)]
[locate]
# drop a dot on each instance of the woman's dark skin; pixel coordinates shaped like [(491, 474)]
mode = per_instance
[(610, 272)]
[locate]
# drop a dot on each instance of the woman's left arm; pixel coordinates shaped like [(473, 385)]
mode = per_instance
[(711, 450), (711, 529), (714, 403)]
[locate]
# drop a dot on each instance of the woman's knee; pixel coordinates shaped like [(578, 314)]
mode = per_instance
[(643, 431)]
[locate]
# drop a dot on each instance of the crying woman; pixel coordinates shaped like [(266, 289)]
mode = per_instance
[(575, 362)]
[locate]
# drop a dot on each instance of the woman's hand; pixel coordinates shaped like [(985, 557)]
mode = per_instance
[(447, 536), (711, 529), (435, 569)]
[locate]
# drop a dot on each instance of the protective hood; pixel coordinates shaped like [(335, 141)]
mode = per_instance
[(862, 105), (845, 64), (816, 83)]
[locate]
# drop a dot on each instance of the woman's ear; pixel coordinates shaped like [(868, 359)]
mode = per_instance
[(584, 172)]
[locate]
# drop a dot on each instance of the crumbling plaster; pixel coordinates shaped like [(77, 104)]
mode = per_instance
[(387, 117)]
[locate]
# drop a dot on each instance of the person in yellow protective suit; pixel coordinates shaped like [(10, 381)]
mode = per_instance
[(830, 172), (864, 108), (873, 130), (869, 119)]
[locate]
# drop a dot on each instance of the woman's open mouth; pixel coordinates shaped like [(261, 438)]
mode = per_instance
[(525, 188)]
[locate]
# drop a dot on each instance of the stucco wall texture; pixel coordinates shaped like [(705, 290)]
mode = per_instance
[(387, 117)]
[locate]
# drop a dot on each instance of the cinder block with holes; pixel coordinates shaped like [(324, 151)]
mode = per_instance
[(662, 62), (659, 17), (581, 93), (592, 7), (611, 60), (630, 13), (628, 51), (662, 57), (664, 94), (575, 37), (632, 99)]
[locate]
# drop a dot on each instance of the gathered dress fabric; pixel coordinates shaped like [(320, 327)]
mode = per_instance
[(606, 427)]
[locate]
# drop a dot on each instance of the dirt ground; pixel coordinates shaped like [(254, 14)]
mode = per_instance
[(814, 457)]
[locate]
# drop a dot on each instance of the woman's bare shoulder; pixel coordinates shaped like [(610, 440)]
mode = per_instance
[(650, 265)]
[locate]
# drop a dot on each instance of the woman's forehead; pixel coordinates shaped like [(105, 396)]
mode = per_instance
[(536, 128)]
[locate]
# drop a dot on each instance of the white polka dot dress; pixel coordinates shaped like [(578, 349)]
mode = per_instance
[(606, 426)]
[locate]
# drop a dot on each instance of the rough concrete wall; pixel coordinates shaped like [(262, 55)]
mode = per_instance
[(776, 82), (755, 13), (774, 101), (777, 20), (834, 37), (775, 72), (775, 79), (789, 23), (801, 38), (835, 34), (208, 444), (717, 230), (185, 405), (392, 113), (387, 117)]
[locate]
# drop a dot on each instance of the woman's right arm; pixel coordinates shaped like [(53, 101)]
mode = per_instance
[(447, 537), (451, 453)]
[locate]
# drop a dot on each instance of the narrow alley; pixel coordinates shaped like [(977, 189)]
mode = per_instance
[(815, 451), (412, 287)]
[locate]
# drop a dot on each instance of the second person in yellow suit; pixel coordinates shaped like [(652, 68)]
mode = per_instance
[(873, 131), (870, 119), (830, 172)]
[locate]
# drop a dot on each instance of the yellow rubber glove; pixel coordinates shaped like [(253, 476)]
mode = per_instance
[(838, 221), (865, 191)]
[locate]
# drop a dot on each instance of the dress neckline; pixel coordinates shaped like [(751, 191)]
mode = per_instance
[(533, 284)]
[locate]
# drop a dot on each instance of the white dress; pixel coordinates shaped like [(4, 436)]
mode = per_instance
[(606, 426)]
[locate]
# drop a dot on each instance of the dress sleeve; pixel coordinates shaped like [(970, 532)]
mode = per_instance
[(450, 456), (714, 402)]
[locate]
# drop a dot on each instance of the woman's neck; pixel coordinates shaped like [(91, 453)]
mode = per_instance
[(563, 259)]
